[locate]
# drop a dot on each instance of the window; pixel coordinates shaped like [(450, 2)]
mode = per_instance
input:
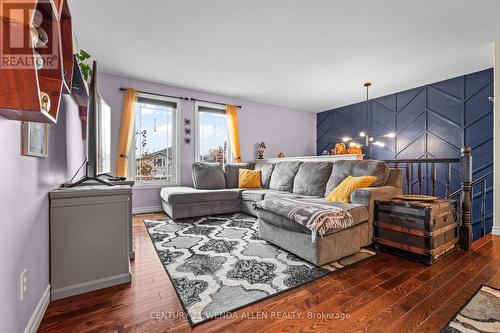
[(212, 135), (154, 149), (103, 137)]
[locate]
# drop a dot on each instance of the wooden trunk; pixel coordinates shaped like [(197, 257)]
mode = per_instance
[(423, 230)]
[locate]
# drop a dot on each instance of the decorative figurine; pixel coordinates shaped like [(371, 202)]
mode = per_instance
[(42, 39), (281, 155), (261, 150), (324, 152), (44, 101)]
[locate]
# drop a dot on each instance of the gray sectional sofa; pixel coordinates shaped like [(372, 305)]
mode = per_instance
[(216, 191)]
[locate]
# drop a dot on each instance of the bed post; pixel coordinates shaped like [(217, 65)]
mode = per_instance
[(466, 198)]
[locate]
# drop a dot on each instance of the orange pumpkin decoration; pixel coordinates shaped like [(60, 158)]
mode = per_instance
[(355, 150), (339, 149)]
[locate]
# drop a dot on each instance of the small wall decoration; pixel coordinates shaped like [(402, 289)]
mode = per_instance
[(261, 149), (34, 139), (281, 155), (187, 131)]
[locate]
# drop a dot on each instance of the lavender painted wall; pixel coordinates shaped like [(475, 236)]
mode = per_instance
[(25, 183), (283, 129)]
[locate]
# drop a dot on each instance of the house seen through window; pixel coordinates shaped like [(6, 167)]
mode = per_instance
[(212, 133), (155, 154)]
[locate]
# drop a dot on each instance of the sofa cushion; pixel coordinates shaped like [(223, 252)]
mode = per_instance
[(266, 170), (343, 168), (258, 195), (283, 175), (249, 178), (312, 177), (342, 193), (181, 195), (208, 176), (287, 195), (231, 171), (395, 178), (357, 211), (253, 195)]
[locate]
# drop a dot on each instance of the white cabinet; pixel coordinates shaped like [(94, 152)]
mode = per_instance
[(89, 238)]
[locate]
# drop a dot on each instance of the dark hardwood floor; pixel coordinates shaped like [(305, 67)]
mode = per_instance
[(381, 294)]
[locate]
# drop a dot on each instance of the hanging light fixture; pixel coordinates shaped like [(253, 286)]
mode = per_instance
[(368, 139)]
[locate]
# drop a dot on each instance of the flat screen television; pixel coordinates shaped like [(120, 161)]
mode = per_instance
[(98, 135)]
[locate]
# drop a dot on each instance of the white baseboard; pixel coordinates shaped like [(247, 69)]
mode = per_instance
[(496, 231), (84, 287), (143, 210), (37, 316)]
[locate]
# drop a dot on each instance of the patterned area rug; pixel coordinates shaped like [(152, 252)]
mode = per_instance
[(480, 314), (218, 264)]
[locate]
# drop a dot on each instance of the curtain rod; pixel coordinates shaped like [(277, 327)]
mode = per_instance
[(156, 94), (203, 100)]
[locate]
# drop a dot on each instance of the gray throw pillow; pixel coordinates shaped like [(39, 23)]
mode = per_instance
[(208, 176), (283, 175), (266, 170), (344, 168), (312, 177), (232, 171)]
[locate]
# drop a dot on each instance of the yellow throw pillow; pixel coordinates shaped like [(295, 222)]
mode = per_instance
[(342, 192), (249, 178)]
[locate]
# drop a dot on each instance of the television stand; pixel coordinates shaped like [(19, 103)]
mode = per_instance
[(88, 179), (112, 178)]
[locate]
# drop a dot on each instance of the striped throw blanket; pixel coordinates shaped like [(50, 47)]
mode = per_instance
[(314, 216)]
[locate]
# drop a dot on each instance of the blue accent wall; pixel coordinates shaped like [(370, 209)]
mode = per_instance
[(433, 121)]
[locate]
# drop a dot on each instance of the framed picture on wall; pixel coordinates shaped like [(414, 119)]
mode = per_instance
[(34, 139)]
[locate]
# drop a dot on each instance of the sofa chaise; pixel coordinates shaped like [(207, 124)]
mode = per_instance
[(216, 191)]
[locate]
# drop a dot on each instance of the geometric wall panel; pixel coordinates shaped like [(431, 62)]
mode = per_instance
[(445, 105), (476, 106), (432, 121), (451, 87), (411, 111), (445, 130)]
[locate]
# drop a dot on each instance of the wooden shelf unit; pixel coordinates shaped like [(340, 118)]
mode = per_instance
[(21, 87), (66, 45)]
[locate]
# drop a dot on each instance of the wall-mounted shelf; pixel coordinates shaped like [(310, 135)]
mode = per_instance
[(23, 87)]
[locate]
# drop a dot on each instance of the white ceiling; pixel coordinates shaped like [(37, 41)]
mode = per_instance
[(307, 55)]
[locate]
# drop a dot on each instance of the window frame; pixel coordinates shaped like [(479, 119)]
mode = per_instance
[(176, 146), (197, 123)]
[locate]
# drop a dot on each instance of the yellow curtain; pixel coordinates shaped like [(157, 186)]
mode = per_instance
[(126, 132), (232, 124)]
